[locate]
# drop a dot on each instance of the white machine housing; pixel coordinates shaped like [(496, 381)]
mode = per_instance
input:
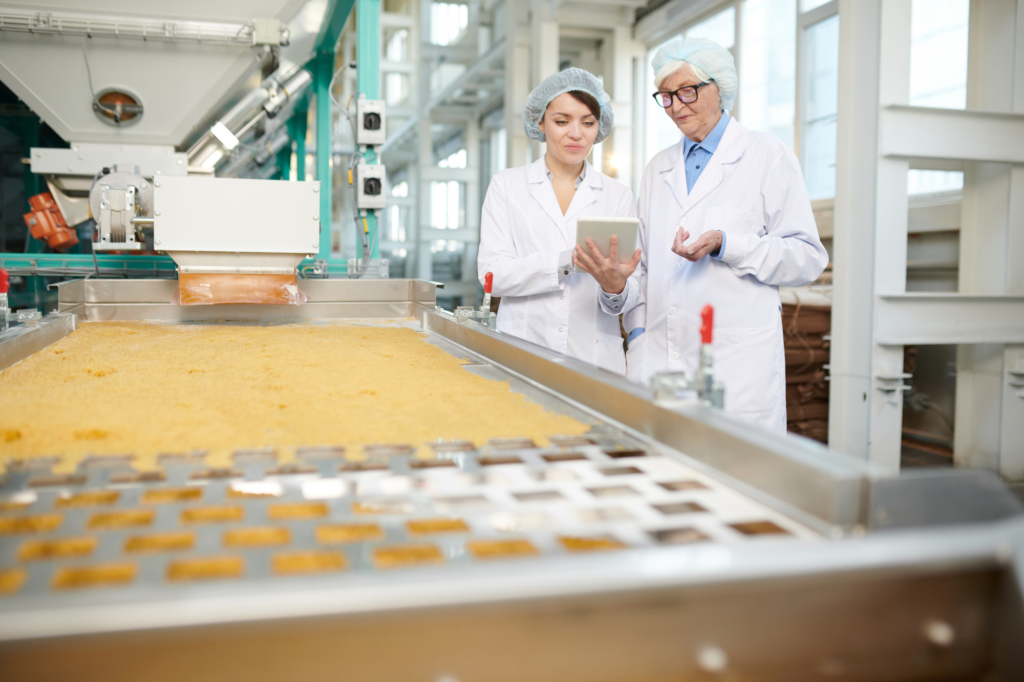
[(234, 226)]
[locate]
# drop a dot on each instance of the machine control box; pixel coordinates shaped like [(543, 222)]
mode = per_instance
[(370, 129), (370, 179)]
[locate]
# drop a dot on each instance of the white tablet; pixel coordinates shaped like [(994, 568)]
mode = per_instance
[(601, 231)]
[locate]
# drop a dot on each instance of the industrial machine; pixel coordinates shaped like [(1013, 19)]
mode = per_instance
[(145, 95), (668, 542)]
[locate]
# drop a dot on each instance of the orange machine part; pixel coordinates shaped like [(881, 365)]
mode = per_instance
[(46, 223), (204, 289)]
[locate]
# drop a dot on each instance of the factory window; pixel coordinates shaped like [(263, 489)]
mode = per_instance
[(938, 75), (768, 64), (397, 214), (445, 204), (720, 28), (447, 22), (396, 85), (819, 106), (456, 160)]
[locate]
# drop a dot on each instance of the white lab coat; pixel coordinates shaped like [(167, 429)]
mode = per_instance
[(523, 239), (752, 190)]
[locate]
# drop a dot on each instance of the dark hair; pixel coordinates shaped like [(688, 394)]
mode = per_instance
[(588, 101)]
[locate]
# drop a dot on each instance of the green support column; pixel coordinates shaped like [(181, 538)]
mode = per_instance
[(322, 67), (34, 286), (368, 84), (324, 71), (283, 159)]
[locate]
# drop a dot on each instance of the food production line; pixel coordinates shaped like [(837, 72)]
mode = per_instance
[(666, 542)]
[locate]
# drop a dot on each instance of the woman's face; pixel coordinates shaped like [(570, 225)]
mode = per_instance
[(569, 128), (696, 119)]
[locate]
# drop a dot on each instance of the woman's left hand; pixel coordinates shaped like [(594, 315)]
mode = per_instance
[(610, 274)]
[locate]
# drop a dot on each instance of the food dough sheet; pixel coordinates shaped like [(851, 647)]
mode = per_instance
[(149, 388)]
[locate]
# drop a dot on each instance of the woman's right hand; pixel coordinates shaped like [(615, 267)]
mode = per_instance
[(610, 274)]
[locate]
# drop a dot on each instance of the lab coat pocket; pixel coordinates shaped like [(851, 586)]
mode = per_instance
[(746, 363), (635, 359), (511, 315), (733, 221)]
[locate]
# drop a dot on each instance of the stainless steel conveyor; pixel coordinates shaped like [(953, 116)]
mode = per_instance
[(664, 544)]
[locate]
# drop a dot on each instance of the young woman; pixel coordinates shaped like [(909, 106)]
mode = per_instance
[(528, 229)]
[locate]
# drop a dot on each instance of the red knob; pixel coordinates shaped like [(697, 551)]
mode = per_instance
[(3, 281), (707, 319), (488, 282)]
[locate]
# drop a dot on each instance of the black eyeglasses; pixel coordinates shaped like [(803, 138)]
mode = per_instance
[(687, 95)]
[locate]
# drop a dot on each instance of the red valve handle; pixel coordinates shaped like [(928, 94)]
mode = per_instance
[(3, 281), (707, 318), (488, 282)]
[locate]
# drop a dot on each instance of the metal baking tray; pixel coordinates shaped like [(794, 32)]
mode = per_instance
[(672, 545)]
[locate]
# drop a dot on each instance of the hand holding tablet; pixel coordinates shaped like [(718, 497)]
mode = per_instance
[(606, 249)]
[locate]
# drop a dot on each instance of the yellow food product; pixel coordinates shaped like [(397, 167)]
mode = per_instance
[(500, 549), (431, 526), (406, 555), (348, 532), (100, 575), (149, 388), (578, 544), (317, 561), (267, 536), (159, 542), (11, 580), (205, 568)]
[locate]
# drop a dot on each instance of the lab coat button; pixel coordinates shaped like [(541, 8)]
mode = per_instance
[(559, 329)]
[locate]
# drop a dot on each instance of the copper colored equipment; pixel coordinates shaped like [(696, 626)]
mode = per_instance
[(46, 223), (217, 289)]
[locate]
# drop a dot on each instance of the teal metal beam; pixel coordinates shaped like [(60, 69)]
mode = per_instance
[(368, 84), (323, 72), (334, 21), (70, 264), (283, 159)]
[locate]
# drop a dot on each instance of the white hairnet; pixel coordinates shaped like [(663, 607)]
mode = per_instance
[(710, 57), (558, 84)]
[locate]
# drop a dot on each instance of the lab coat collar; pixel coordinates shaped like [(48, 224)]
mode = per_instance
[(585, 195), (730, 149), (544, 192)]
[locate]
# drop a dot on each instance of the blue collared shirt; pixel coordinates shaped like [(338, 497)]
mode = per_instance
[(696, 156)]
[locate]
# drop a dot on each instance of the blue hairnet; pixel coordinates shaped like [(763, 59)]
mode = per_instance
[(710, 57), (558, 84)]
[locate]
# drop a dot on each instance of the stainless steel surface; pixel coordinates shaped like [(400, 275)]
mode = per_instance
[(843, 596), (19, 342), (798, 471), (152, 299)]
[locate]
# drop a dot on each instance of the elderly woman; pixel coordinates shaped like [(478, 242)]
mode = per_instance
[(725, 220), (528, 229)]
